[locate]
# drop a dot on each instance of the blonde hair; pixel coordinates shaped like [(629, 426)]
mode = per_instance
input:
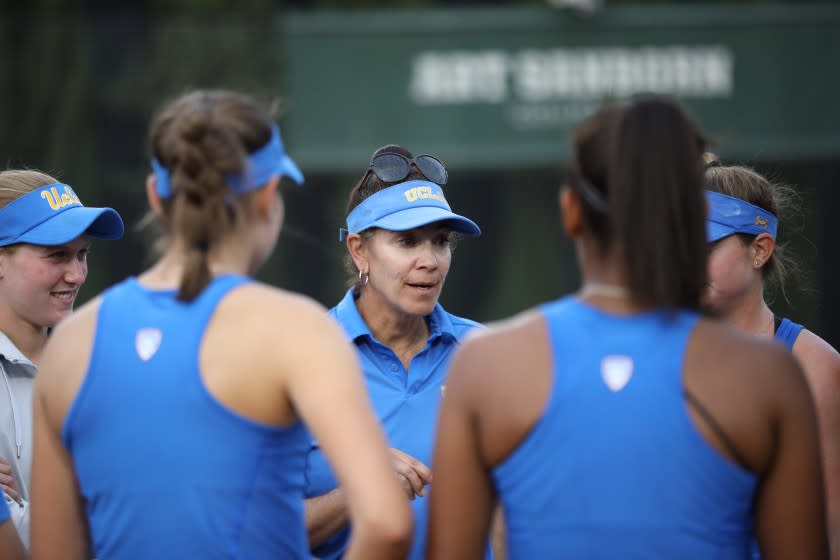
[(14, 183)]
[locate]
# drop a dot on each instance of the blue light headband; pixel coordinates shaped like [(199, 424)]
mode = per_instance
[(54, 215), (406, 206), (729, 215), (265, 163)]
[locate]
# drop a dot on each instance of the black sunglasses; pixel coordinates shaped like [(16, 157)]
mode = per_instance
[(392, 167)]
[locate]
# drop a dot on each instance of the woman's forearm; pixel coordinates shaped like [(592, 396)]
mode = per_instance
[(325, 515)]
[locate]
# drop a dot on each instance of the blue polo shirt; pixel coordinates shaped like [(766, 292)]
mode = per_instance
[(406, 403), (4, 509)]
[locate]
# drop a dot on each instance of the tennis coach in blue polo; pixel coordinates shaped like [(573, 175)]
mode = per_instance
[(399, 236)]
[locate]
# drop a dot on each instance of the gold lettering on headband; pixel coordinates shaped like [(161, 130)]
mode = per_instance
[(57, 201), (422, 192), (760, 222)]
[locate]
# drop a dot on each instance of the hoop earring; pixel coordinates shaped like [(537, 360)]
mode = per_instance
[(363, 278)]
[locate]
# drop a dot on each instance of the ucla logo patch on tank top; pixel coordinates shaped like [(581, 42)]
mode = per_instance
[(616, 372), (147, 341)]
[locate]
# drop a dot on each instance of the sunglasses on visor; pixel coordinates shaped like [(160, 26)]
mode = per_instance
[(396, 167)]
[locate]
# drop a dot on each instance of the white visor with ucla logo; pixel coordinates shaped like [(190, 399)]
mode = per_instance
[(54, 215)]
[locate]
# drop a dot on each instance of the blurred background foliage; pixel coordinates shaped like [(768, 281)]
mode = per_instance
[(82, 80)]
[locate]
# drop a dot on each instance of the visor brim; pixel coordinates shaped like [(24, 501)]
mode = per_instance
[(411, 218), (289, 168), (103, 223)]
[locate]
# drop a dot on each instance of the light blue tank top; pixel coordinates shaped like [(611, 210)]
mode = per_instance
[(615, 467), (787, 331), (165, 469)]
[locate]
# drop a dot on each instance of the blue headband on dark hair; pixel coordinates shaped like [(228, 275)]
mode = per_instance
[(262, 165), (54, 215), (729, 215), (406, 206)]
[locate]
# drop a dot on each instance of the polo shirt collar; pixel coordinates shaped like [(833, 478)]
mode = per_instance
[(10, 352), (440, 325)]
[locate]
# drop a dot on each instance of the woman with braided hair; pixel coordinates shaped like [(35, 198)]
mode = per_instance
[(194, 381)]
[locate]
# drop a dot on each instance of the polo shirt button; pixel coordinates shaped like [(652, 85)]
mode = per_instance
[(394, 367)]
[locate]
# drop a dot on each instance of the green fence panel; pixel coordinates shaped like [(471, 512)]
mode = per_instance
[(496, 88)]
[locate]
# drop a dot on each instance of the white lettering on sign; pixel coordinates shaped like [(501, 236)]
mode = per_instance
[(459, 77), (532, 75)]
